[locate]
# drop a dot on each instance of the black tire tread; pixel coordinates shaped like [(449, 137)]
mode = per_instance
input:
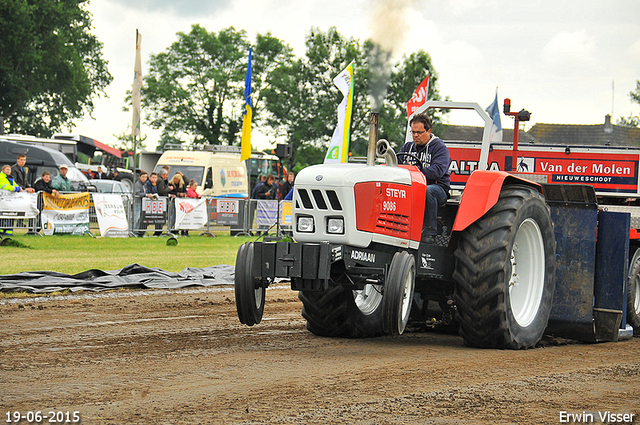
[(482, 261), (633, 318)]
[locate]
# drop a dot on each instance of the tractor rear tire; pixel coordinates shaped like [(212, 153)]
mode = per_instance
[(341, 312), (505, 272), (398, 293), (249, 292), (633, 295)]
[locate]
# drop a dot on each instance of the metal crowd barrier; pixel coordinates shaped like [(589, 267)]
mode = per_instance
[(158, 217)]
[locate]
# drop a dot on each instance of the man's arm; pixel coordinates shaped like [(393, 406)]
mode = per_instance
[(440, 159), (163, 189), (404, 159)]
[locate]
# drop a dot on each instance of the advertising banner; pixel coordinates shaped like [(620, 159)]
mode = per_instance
[(191, 213), (286, 213), (18, 204), (65, 214), (227, 211), (267, 213), (112, 217), (154, 211), (607, 170)]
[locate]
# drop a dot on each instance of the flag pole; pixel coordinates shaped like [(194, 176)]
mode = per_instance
[(135, 124)]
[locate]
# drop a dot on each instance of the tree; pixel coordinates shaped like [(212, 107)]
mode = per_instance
[(190, 84), (632, 120), (301, 99), (406, 76), (194, 91), (126, 141), (51, 65)]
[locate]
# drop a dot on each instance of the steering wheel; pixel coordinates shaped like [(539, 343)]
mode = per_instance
[(412, 155)]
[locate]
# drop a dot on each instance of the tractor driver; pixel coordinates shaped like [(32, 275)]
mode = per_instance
[(435, 158)]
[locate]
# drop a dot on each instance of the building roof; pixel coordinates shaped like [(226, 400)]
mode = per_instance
[(471, 134), (606, 134)]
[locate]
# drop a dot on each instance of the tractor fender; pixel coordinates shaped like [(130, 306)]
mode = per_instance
[(481, 193)]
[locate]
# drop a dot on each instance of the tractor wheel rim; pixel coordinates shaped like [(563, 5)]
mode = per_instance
[(636, 303), (368, 299), (526, 282), (258, 297), (406, 301)]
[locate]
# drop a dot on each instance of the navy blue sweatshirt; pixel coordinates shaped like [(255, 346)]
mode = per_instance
[(435, 158)]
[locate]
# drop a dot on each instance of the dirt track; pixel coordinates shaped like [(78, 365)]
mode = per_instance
[(182, 357)]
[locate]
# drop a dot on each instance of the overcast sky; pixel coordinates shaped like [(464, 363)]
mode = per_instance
[(566, 61)]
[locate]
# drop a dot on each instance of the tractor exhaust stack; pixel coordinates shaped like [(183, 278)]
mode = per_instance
[(373, 138)]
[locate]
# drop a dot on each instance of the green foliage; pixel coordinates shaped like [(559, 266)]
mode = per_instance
[(126, 141), (302, 99), (194, 91), (632, 120), (51, 65), (189, 85), (635, 95)]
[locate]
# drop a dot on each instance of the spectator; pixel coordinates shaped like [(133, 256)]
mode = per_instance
[(139, 192), (267, 190), (44, 184), (164, 188), (61, 182), (115, 175), (179, 191), (191, 193), (287, 186), (21, 173), (7, 183), (100, 175), (179, 188), (152, 187), (192, 190), (258, 184), (140, 188)]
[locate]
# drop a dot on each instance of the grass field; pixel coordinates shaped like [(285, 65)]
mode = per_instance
[(74, 254)]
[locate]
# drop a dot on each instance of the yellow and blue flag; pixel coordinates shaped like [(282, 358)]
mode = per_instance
[(245, 143)]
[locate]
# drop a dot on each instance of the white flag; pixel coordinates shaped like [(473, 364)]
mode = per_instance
[(339, 146), (137, 85)]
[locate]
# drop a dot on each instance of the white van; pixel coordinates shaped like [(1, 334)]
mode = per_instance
[(218, 172)]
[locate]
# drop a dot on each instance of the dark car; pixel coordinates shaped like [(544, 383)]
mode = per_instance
[(41, 158)]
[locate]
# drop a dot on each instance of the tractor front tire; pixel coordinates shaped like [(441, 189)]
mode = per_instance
[(249, 291), (398, 293), (633, 294), (505, 272), (341, 312)]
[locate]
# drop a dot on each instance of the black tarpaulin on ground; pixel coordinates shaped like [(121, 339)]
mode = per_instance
[(131, 276)]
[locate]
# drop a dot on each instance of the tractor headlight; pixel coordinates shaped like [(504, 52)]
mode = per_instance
[(305, 224), (335, 225)]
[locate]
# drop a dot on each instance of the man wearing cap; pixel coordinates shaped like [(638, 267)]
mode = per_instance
[(61, 182)]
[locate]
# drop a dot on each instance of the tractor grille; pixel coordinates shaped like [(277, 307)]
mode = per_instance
[(393, 224), (319, 199)]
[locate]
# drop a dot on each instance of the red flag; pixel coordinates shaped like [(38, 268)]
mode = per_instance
[(419, 97)]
